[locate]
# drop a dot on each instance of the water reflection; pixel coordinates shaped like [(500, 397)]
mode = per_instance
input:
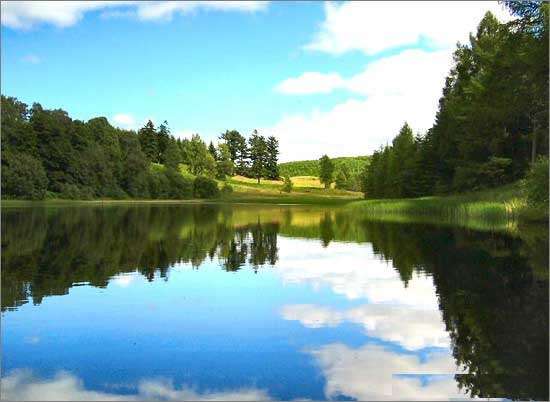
[(372, 372), (359, 309), (21, 385)]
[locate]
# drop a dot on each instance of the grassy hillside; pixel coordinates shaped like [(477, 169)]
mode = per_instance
[(500, 206), (311, 167), (306, 190)]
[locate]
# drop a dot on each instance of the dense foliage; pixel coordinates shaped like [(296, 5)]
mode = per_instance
[(46, 154), (536, 184), (257, 158), (492, 121)]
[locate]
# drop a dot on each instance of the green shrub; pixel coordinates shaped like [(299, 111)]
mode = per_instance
[(227, 189), (137, 186), (74, 192), (475, 176), (114, 192), (180, 187), (23, 176), (287, 185), (536, 183), (205, 187), (158, 183)]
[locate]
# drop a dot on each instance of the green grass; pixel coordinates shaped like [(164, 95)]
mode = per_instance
[(311, 167), (501, 207), (270, 192)]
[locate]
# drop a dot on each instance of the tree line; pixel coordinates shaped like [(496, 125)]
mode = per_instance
[(45, 153), (492, 122), (256, 158)]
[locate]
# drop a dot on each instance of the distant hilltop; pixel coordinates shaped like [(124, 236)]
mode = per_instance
[(355, 164)]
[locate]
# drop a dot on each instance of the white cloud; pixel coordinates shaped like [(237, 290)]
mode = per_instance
[(405, 87), (408, 316), (311, 83), (372, 373), (166, 9), (22, 385), (125, 121), (353, 271), (124, 280), (375, 26), (26, 14), (409, 327), (392, 90), (32, 58)]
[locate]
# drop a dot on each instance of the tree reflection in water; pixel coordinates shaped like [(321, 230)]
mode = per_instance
[(492, 287)]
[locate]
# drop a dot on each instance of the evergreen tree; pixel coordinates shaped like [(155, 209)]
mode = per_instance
[(201, 162), (225, 166), (149, 141), (172, 155), (212, 150), (238, 149), (272, 166), (163, 141), (326, 170), (258, 155)]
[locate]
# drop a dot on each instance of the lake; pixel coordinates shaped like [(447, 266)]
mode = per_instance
[(248, 302)]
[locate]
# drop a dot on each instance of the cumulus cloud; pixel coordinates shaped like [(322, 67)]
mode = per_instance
[(373, 372), (21, 385), (124, 280), (411, 328), (392, 90), (408, 316), (353, 271), (404, 87), (311, 83), (374, 26), (27, 14), (166, 9)]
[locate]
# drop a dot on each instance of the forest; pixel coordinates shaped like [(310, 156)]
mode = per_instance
[(492, 121), (46, 154), (490, 129)]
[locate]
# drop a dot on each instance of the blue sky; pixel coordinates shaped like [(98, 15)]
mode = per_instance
[(335, 78)]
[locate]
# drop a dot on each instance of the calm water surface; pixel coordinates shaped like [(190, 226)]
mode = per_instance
[(257, 302)]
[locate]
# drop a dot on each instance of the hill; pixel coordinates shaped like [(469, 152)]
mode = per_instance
[(311, 167)]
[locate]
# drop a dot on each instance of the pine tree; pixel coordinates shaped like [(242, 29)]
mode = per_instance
[(258, 155), (149, 141), (272, 166), (326, 170), (163, 141), (224, 166), (212, 150), (238, 150)]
